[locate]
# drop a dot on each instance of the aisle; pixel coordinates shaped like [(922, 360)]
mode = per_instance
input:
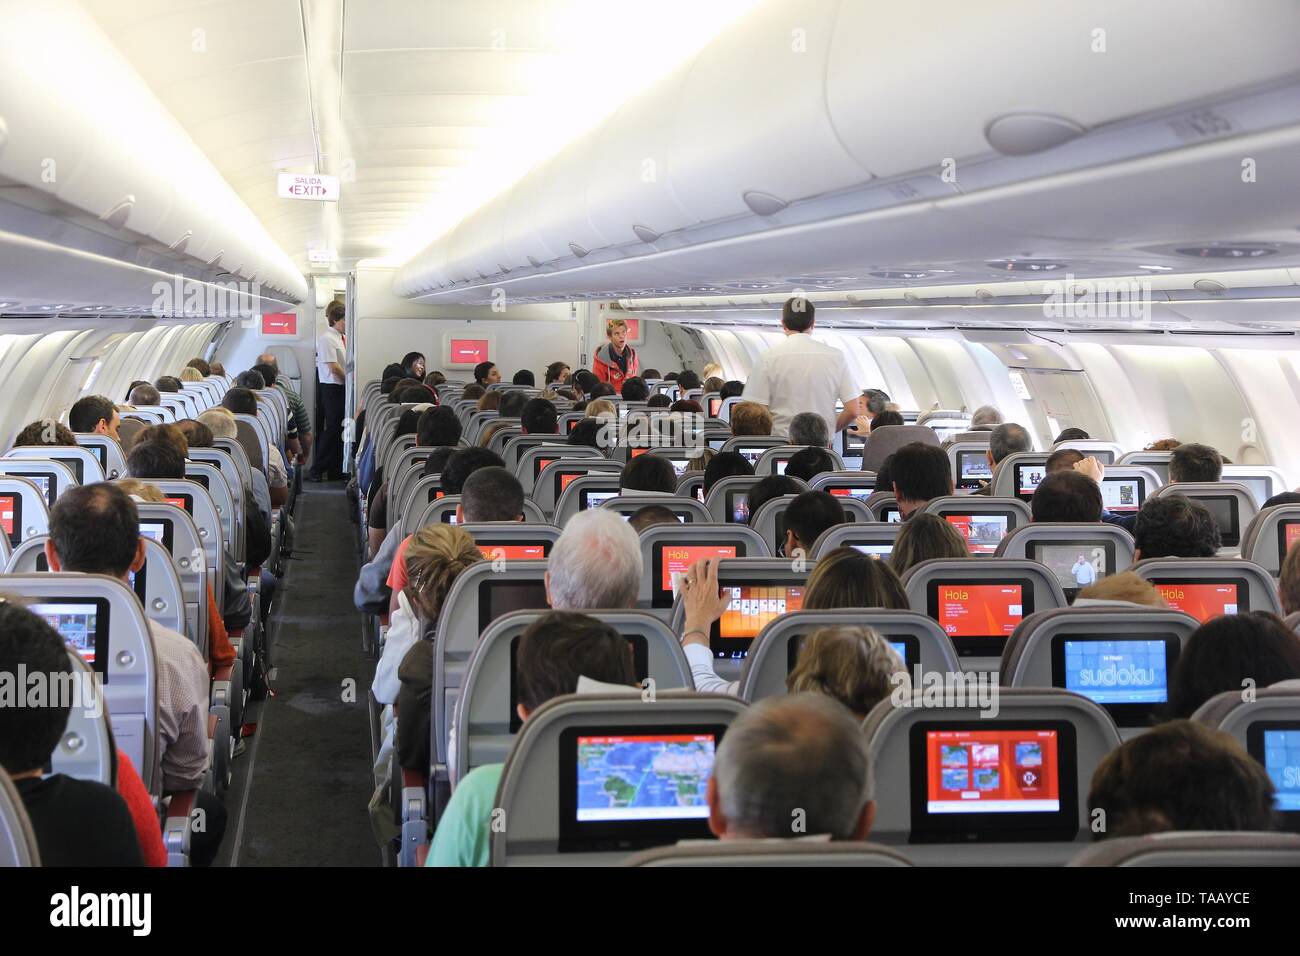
[(308, 768)]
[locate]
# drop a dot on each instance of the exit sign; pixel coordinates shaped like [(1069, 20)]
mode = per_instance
[(311, 186)]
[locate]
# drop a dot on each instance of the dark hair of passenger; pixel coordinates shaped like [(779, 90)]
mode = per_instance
[(144, 394), (1173, 526), (1193, 462), (648, 473), (389, 383), (408, 423), (920, 472), (268, 372), (584, 379), (769, 487), (95, 529), (240, 401), (809, 463), (89, 411), (155, 459), (586, 432), (1227, 652), (524, 377), (437, 460), (1007, 439), (635, 389), (688, 406), (687, 380), (539, 417), (171, 433), (876, 402), (811, 513), (555, 372), (712, 384), (561, 646), (435, 378), (393, 370), (731, 389), (134, 385), (1284, 498), (512, 404), (167, 383), (45, 432), (650, 373), (463, 463), (482, 370), (492, 494), (658, 400), (29, 734), (601, 390), (923, 537), (650, 516), (408, 360), (798, 314), (438, 426), (884, 478), (1180, 775), (197, 434), (1066, 496), (201, 365), (473, 392), (1071, 434), (671, 377), (1064, 459), (725, 464), (846, 578), (887, 418)]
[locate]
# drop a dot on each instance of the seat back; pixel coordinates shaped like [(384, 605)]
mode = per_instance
[(517, 445), (1058, 545), (969, 460), (1208, 849), (225, 465), (980, 603), (982, 521), (17, 838), (128, 429), (52, 477), (394, 452), (1121, 658), (175, 531), (1157, 461), (884, 506), (1232, 505), (502, 433), (118, 646), (1106, 452), (1264, 481), (870, 537), (887, 439), (107, 451), (554, 478), (846, 484), (243, 466), (1125, 488), (687, 510), (249, 435), (588, 491), (486, 721), (532, 461), (24, 508), (770, 853), (85, 751), (774, 460), (753, 446), (898, 737), (769, 520), (153, 414), (775, 651), (1017, 475), (668, 549), (1270, 535), (444, 509), (533, 790), (728, 499), (209, 477), (404, 472), (1207, 587), (691, 485)]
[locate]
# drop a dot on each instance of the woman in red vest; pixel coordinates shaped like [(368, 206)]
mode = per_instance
[(616, 362)]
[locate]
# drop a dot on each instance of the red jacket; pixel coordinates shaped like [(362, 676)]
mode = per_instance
[(606, 367)]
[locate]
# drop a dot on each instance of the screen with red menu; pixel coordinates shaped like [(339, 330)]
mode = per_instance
[(539, 464), (513, 552), (979, 610), (469, 351), (1203, 600), (982, 533), (992, 771), (677, 558), (565, 479), (183, 503), (279, 323), (752, 607), (7, 514), (1292, 531)]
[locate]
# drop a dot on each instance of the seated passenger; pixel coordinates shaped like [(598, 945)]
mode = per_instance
[(789, 767), (168, 432), (985, 418), (635, 389), (918, 472), (413, 365), (588, 432), (95, 529), (168, 383), (700, 463), (750, 418), (725, 464), (221, 422), (854, 665), (924, 537), (486, 373), (554, 652), (601, 409), (1175, 527), (769, 487), (1005, 440), (241, 401), (712, 384), (195, 433), (1071, 434), (1229, 653), (1288, 585), (888, 417), (1180, 776), (94, 415), (203, 367), (144, 394), (557, 373), (658, 400), (1193, 462), (810, 462), (1066, 495), (648, 475), (806, 517), (524, 377), (1127, 589), (217, 368), (687, 406), (190, 375), (731, 389), (47, 432), (687, 381), (595, 564), (649, 516), (538, 417), (809, 428), (76, 822), (490, 402), (1064, 459)]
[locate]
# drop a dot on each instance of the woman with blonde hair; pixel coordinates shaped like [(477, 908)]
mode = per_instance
[(854, 665), (1128, 589), (601, 408), (190, 374), (923, 537)]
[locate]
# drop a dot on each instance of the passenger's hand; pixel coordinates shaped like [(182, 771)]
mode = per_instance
[(862, 424), (701, 600), (1091, 467)]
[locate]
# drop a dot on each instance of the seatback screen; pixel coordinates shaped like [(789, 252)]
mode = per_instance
[(973, 469), (43, 482), (1288, 533), (979, 617), (1224, 510), (594, 499), (512, 552), (1126, 674), (11, 517), (83, 625), (185, 502), (671, 562), (1123, 495), (160, 531), (1076, 564), (982, 532), (862, 492), (1028, 478), (496, 598), (879, 551), (1276, 745), (752, 607), (753, 454), (1204, 600), (738, 507)]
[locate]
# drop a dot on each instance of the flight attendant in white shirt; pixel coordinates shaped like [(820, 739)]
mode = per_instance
[(330, 359), (802, 375)]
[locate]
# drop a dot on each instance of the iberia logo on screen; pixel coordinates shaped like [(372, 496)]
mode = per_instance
[(980, 610), (992, 771), (469, 351)]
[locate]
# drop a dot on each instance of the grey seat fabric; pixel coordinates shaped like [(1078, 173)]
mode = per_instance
[(864, 535), (35, 507), (57, 474), (1200, 849), (887, 439), (17, 839), (85, 750), (1260, 541), (1212, 494), (769, 853)]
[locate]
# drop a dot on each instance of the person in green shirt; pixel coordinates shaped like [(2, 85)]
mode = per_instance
[(554, 652)]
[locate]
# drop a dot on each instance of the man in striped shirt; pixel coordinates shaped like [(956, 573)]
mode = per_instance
[(297, 407)]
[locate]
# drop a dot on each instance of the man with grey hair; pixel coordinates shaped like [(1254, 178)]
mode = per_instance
[(1007, 439), (809, 428), (595, 564), (985, 418), (221, 421), (792, 766)]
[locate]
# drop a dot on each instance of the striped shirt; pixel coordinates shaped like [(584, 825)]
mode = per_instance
[(297, 407), (182, 709)]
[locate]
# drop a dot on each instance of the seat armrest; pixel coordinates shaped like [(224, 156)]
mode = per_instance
[(177, 826), (415, 818)]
